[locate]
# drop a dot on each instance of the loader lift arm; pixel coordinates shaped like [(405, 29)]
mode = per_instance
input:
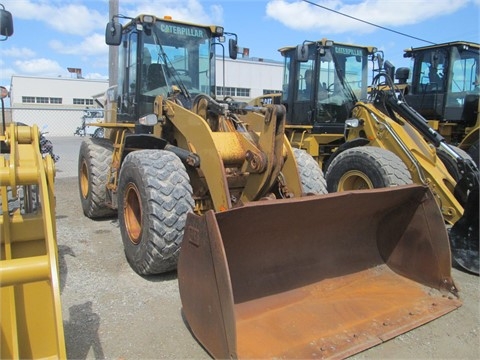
[(31, 313)]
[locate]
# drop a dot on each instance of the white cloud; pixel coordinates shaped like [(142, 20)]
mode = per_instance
[(16, 52), (6, 73), (91, 45), (39, 67), (185, 10), (300, 15), (67, 18)]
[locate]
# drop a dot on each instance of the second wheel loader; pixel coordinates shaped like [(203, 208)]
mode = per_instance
[(263, 269), (372, 139)]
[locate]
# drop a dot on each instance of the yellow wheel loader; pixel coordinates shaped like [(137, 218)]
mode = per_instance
[(444, 89), (170, 148), (269, 264), (372, 139), (30, 307)]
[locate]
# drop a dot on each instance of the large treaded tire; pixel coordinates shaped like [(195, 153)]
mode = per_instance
[(20, 201), (94, 160), (154, 198), (311, 176), (366, 167)]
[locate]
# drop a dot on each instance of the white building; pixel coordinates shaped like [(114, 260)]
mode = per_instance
[(248, 78), (57, 105), (53, 104)]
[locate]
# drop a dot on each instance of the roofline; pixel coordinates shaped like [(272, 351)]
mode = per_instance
[(139, 18), (324, 40), (442, 45), (58, 78)]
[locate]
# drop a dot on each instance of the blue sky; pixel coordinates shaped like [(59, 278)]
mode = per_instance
[(50, 36)]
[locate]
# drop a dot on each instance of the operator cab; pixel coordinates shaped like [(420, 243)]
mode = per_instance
[(163, 57), (445, 81), (323, 79)]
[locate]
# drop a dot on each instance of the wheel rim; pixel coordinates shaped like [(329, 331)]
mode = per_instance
[(84, 180), (354, 180), (132, 213)]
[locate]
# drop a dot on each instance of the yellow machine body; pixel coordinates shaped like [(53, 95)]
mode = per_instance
[(31, 317)]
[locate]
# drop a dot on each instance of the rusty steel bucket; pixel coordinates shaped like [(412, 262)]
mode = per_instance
[(315, 277)]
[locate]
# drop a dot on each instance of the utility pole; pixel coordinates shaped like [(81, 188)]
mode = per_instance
[(112, 50)]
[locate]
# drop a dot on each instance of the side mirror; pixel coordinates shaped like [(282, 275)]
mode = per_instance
[(113, 33), (389, 69), (232, 48), (6, 23), (302, 53), (402, 74), (3, 92)]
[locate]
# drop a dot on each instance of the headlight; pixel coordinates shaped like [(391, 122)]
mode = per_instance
[(352, 123), (217, 31), (149, 120)]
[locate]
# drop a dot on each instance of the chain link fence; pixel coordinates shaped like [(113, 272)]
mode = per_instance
[(57, 121), (65, 128)]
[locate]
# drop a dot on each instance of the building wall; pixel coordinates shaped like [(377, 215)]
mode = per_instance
[(65, 88), (52, 117), (252, 74)]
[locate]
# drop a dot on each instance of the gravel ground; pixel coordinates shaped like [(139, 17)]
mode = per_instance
[(110, 312)]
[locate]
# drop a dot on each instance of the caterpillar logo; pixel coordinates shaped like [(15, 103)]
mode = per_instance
[(182, 30), (347, 51)]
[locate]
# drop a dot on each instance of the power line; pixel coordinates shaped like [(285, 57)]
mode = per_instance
[(369, 23)]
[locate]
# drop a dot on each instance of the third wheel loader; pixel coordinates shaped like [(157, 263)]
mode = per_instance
[(445, 90), (269, 264)]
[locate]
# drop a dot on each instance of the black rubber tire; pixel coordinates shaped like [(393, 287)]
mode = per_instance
[(473, 151), (94, 161), (20, 202), (450, 163), (366, 167), (311, 176), (154, 199)]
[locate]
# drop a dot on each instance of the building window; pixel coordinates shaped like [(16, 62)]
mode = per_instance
[(243, 92), (28, 99), (88, 101), (55, 100), (78, 101), (225, 91), (42, 100)]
